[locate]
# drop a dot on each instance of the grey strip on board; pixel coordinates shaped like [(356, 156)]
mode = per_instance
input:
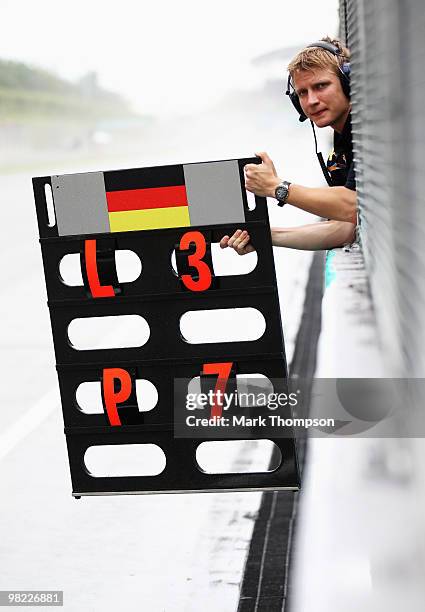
[(80, 203), (214, 193)]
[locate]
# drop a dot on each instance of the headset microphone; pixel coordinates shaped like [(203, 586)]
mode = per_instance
[(293, 96)]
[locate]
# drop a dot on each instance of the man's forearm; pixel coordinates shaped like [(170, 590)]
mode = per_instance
[(315, 236), (339, 203)]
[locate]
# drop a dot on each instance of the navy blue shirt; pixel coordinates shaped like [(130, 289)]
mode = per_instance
[(340, 162)]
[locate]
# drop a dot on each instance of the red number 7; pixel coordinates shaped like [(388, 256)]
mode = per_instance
[(223, 370)]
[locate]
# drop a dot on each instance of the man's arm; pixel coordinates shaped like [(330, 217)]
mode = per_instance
[(315, 236), (312, 237), (339, 203)]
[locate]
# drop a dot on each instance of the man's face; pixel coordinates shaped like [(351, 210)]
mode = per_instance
[(322, 98)]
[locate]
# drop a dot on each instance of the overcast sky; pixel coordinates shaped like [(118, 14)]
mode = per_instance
[(165, 56)]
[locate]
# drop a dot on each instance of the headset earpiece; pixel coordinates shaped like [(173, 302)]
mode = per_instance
[(345, 70), (293, 96)]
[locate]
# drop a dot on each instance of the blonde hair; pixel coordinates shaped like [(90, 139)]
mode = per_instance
[(314, 58)]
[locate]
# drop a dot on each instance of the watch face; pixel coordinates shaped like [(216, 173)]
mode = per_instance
[(281, 192)]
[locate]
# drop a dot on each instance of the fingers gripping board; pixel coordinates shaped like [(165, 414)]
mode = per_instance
[(154, 213)]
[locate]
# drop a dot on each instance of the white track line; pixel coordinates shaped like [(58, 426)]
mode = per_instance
[(28, 421), (32, 418)]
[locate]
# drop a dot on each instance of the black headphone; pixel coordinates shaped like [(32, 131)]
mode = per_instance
[(344, 77)]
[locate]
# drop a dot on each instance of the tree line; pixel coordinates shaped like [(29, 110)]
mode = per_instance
[(31, 92)]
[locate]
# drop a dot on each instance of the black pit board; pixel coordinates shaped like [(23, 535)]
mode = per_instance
[(160, 297)]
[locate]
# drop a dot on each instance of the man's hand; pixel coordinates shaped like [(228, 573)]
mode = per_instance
[(262, 179), (239, 242)]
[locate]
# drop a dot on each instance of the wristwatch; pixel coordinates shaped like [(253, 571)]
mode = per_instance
[(281, 193)]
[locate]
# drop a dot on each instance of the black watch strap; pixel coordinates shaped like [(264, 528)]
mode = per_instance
[(282, 193)]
